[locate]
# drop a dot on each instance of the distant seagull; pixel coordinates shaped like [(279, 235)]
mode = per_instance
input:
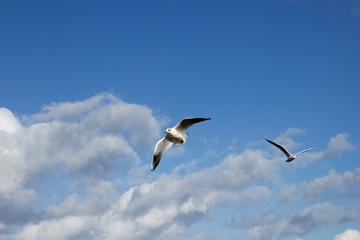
[(174, 136), (290, 157)]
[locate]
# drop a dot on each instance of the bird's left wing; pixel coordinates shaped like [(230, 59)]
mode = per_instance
[(160, 147), (286, 152)]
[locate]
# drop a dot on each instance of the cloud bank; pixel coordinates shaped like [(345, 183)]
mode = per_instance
[(65, 175), (90, 139)]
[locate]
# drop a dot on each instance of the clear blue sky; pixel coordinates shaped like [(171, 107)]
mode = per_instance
[(87, 88)]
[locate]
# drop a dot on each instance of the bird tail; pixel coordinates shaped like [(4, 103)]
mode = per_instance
[(184, 138)]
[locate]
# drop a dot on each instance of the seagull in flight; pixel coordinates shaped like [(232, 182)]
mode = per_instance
[(290, 157), (174, 136)]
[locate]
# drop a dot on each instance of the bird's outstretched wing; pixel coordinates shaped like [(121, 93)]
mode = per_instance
[(279, 146), (187, 122), (160, 147), (303, 151)]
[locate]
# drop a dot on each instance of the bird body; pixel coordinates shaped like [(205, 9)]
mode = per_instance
[(177, 138), (174, 136), (291, 158)]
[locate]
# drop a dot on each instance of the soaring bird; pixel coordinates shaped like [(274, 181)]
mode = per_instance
[(174, 136), (290, 157)]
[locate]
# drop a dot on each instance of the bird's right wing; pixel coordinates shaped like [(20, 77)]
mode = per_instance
[(279, 146), (303, 151), (160, 147), (187, 122)]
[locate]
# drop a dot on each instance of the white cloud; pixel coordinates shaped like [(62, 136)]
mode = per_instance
[(253, 195), (13, 195), (207, 236), (268, 225), (105, 113), (273, 225), (90, 138), (171, 204), (263, 219), (322, 214), (345, 184), (8, 122), (331, 181), (288, 193), (71, 111), (2, 227), (335, 147), (72, 206), (349, 234), (69, 227), (293, 131), (102, 189)]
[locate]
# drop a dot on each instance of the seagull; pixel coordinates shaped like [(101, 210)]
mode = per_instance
[(174, 136), (290, 157)]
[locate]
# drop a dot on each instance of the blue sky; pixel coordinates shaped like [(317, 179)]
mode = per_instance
[(87, 88)]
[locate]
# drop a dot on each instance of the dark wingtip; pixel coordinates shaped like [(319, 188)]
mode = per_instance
[(152, 168), (155, 162)]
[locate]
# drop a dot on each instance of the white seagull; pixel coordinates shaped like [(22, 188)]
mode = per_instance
[(174, 136), (290, 157)]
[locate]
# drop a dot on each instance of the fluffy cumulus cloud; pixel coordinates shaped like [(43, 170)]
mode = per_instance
[(88, 150), (162, 209), (322, 214), (274, 225), (168, 206), (267, 225), (88, 139), (350, 234), (9, 123), (345, 183), (69, 227), (335, 147)]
